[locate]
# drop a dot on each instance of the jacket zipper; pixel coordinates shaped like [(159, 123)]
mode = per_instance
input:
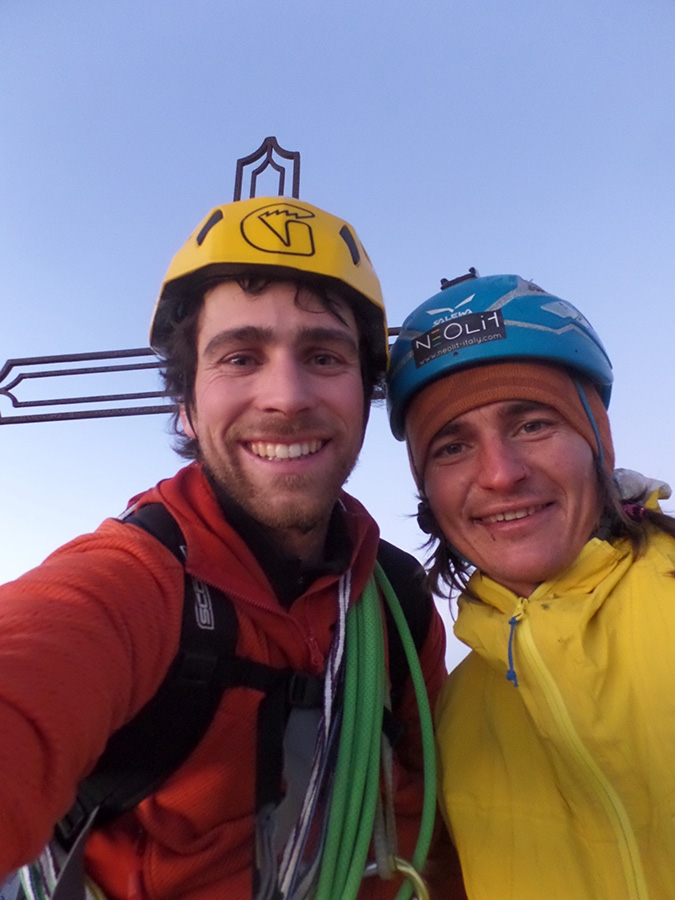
[(594, 776)]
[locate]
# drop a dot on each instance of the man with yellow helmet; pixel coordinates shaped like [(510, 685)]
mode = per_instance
[(272, 332)]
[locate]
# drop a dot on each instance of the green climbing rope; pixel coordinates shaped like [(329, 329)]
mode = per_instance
[(354, 797), (356, 787)]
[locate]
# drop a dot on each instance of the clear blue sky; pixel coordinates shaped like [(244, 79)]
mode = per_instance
[(527, 137)]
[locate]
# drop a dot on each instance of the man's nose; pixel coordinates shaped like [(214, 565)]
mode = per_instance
[(284, 386), (501, 465)]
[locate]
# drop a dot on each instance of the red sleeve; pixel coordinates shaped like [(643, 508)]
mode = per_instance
[(85, 640)]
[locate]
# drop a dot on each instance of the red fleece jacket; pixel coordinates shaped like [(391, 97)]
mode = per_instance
[(87, 638)]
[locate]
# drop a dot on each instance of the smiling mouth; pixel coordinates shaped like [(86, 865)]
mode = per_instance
[(285, 451), (512, 514)]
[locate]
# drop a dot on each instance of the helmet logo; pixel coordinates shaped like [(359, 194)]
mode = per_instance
[(280, 228), (467, 331), (450, 309)]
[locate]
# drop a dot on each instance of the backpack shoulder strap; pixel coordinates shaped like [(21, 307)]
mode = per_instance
[(144, 752), (408, 580), (147, 750)]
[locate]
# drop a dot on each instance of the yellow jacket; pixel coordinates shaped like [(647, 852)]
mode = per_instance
[(564, 785)]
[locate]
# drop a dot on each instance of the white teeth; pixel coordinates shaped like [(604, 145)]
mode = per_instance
[(510, 516), (285, 451)]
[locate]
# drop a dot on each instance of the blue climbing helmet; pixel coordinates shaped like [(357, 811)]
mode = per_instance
[(473, 321)]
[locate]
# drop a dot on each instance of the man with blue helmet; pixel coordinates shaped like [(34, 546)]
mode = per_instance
[(556, 732)]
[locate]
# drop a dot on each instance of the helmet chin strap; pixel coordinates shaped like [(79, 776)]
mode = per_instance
[(591, 419)]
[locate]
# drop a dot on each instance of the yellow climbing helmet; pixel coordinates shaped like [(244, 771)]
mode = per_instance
[(275, 237)]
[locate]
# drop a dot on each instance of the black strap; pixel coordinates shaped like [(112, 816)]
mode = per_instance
[(148, 749), (143, 753), (408, 580)]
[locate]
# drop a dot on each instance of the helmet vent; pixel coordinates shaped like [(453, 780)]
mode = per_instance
[(212, 220), (348, 238)]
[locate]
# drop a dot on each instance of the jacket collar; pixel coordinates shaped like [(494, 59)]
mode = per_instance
[(599, 560), (221, 556)]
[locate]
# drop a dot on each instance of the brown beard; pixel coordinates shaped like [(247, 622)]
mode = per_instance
[(290, 517)]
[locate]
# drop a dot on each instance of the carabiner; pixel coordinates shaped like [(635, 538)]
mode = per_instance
[(411, 873), (407, 870)]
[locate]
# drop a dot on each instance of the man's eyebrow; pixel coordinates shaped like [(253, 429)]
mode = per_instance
[(255, 334), (247, 334), (450, 429), (512, 408), (323, 334)]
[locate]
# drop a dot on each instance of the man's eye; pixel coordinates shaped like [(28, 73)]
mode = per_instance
[(535, 425), (239, 359), (325, 359), (451, 449)]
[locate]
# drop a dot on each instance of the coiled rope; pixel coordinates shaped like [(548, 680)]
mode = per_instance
[(356, 787)]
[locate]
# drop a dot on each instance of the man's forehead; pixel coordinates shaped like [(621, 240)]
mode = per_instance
[(276, 305), (236, 318)]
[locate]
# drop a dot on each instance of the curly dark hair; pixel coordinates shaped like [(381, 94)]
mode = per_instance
[(179, 351), (448, 572)]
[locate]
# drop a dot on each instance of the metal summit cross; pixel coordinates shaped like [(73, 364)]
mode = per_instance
[(46, 373)]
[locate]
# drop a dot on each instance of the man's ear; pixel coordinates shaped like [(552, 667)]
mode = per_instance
[(186, 422)]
